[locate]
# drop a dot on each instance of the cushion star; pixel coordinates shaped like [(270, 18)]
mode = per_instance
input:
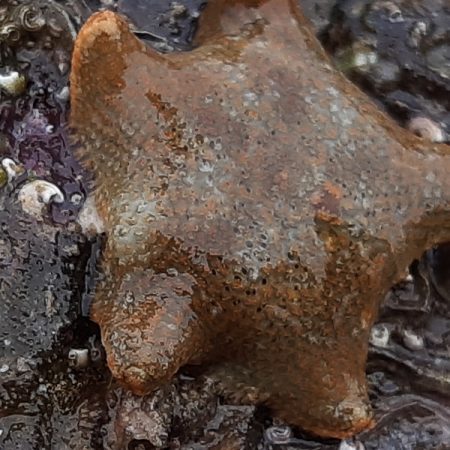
[(257, 208)]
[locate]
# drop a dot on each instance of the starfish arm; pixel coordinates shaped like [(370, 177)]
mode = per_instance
[(98, 64), (99, 93), (330, 396), (149, 329), (323, 392)]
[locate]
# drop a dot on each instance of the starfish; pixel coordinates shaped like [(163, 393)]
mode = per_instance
[(257, 208)]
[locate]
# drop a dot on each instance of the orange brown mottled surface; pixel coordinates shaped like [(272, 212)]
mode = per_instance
[(257, 208)]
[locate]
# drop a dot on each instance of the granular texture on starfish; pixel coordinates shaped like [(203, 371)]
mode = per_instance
[(257, 209)]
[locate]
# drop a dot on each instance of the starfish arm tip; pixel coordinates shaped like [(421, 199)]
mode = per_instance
[(98, 57), (149, 328)]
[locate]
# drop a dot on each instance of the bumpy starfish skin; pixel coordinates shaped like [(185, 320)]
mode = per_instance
[(257, 209)]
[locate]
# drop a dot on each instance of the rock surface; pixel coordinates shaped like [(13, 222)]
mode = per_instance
[(398, 51)]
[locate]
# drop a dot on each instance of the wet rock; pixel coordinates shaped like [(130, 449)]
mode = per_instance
[(438, 263), (417, 424), (36, 282), (145, 420), (40, 268), (410, 45), (165, 25), (232, 428), (185, 414), (45, 402), (319, 12), (38, 47)]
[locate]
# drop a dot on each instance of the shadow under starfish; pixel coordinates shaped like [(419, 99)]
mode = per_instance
[(257, 208)]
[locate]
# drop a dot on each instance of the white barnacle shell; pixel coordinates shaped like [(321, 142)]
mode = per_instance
[(427, 129), (13, 83), (89, 218), (379, 335), (79, 357), (412, 340), (351, 445), (12, 169), (278, 435), (35, 195)]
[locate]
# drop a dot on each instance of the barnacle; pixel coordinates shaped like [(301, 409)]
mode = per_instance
[(13, 83), (36, 194)]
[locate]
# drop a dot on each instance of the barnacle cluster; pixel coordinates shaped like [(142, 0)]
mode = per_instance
[(28, 24), (17, 18)]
